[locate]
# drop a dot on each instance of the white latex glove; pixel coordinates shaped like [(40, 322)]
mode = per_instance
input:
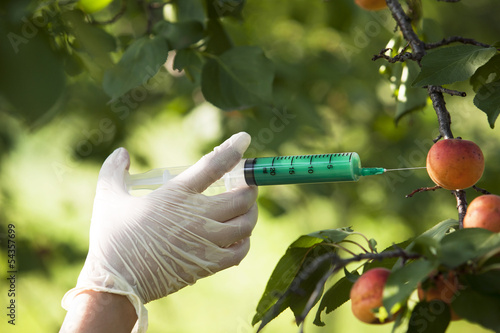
[(148, 247)]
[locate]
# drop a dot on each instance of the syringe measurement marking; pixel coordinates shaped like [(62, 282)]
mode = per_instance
[(274, 170)]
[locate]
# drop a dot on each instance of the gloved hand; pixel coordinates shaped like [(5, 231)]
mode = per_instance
[(148, 247)]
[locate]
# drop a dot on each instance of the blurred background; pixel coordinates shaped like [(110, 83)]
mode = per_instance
[(328, 97)]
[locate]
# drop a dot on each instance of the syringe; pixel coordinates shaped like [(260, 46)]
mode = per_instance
[(279, 170)]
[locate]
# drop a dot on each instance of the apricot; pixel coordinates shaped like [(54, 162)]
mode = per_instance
[(366, 295), (484, 212), (455, 164), (371, 4), (441, 288)]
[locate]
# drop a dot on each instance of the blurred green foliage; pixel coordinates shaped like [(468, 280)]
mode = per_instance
[(57, 125)]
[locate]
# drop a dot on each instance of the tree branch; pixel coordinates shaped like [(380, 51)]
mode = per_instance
[(435, 92), (404, 23), (337, 263), (444, 119), (461, 206)]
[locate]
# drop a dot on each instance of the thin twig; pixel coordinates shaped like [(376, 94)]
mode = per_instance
[(401, 57), (481, 190), (455, 39), (447, 91), (340, 247), (423, 189), (355, 243)]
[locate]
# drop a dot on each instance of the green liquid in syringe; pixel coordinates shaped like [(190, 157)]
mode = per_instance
[(301, 169)]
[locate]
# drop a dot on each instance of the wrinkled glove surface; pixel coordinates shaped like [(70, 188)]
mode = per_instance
[(150, 246)]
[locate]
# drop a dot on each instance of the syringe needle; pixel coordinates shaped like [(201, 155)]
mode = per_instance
[(401, 169)]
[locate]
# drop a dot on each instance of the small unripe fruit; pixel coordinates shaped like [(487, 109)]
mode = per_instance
[(92, 6), (443, 289), (484, 212), (371, 4), (366, 295), (455, 164)]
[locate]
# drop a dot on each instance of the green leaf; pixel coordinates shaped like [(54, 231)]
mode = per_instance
[(31, 74), (404, 280), (484, 74), (452, 64), (486, 283), (440, 230), (90, 39), (180, 35), (429, 317), (466, 244), (218, 39), (139, 63), (289, 266), (228, 7), (304, 290), (330, 235), (478, 308), (334, 297), (351, 276), (437, 232), (191, 62), (240, 78), (281, 278), (427, 246), (307, 290), (189, 10), (487, 100)]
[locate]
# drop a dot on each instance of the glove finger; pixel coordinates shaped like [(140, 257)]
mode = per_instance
[(238, 251), (214, 165), (113, 170), (239, 228), (227, 205)]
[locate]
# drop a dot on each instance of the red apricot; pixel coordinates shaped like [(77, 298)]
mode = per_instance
[(455, 164), (366, 294), (371, 4), (441, 288), (484, 212)]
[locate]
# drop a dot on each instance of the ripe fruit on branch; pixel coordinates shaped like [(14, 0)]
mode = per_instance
[(371, 4), (455, 164), (366, 295), (440, 288), (484, 212)]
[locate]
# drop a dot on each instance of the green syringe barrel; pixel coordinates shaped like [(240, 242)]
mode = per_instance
[(301, 169), (280, 170)]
